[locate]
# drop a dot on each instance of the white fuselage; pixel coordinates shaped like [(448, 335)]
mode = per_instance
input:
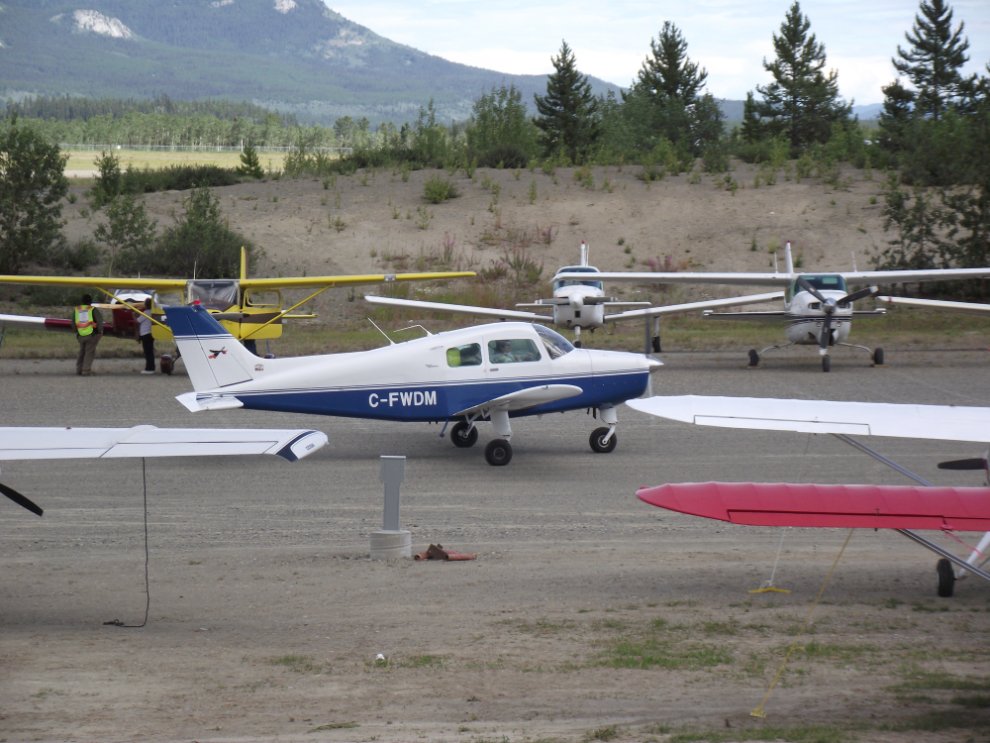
[(571, 308), (806, 319)]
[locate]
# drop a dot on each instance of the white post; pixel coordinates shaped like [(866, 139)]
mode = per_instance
[(391, 541)]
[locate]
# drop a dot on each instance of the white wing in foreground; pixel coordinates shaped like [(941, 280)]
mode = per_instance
[(969, 308), (149, 441), (709, 304), (940, 422), (524, 399), (459, 309)]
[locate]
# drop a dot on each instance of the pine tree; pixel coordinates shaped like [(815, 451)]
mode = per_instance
[(250, 164), (933, 61), (801, 102), (669, 73), (568, 119)]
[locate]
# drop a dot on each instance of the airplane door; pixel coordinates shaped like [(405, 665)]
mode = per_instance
[(515, 359)]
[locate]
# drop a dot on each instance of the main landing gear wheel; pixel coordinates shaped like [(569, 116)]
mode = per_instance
[(754, 357), (498, 453), (946, 578), (826, 363), (878, 357), (598, 441), (463, 438)]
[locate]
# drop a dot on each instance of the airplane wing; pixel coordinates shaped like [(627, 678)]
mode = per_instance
[(314, 282), (459, 309), (97, 281), (970, 308), (37, 323), (939, 422), (675, 309), (683, 277), (901, 277), (524, 399), (847, 506), (770, 316), (149, 441)]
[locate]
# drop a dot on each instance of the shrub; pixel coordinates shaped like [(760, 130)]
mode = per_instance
[(438, 189)]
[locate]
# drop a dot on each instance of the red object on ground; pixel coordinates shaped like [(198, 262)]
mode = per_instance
[(849, 506), (437, 552)]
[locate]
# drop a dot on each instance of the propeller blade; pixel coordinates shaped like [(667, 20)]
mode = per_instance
[(861, 294), (826, 335), (20, 499), (809, 287), (964, 464)]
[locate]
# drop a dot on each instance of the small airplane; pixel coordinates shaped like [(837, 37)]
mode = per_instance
[(491, 372), (578, 303), (901, 508), (817, 307), (149, 441), (251, 309)]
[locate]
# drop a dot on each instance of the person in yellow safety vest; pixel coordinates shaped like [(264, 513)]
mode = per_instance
[(88, 323)]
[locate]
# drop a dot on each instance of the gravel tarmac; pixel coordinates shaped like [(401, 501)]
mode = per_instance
[(587, 615)]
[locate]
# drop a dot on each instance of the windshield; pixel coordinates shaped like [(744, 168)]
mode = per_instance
[(822, 283), (557, 345), (578, 269), (214, 294)]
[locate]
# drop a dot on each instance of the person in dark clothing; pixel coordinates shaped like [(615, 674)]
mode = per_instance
[(142, 332)]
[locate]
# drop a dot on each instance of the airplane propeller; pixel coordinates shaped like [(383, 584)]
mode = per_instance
[(829, 305), (20, 499)]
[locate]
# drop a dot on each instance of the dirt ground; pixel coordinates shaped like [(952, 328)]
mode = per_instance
[(587, 615), (698, 224)]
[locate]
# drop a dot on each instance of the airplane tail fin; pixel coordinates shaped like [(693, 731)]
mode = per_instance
[(214, 358), (788, 262)]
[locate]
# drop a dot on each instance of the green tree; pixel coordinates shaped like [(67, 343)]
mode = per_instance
[(802, 102), (933, 60), (32, 185), (199, 243), (666, 100), (499, 130), (127, 233), (108, 182), (895, 118), (250, 164), (568, 120)]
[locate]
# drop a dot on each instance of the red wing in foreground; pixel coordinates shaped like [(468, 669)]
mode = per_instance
[(848, 506)]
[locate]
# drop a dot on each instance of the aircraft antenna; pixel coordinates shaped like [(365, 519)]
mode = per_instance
[(775, 261), (390, 341), (853, 253), (584, 254), (411, 327)]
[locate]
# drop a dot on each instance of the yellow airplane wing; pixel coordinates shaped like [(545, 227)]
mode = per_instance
[(313, 282), (95, 281)]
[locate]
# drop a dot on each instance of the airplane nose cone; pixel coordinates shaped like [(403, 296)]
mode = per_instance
[(654, 364)]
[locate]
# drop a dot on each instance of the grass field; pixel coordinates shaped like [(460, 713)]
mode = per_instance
[(84, 160)]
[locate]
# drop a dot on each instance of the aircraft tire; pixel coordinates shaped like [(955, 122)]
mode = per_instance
[(878, 357), (754, 357), (498, 453), (826, 363), (946, 578), (167, 364), (462, 440), (597, 436)]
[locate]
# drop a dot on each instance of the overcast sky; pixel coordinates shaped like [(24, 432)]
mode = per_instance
[(611, 38)]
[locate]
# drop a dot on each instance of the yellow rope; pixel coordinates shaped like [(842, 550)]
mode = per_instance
[(758, 712)]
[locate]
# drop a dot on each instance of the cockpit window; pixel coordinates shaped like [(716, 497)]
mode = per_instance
[(578, 269), (822, 283), (556, 344), (468, 355), (512, 351), (220, 294)]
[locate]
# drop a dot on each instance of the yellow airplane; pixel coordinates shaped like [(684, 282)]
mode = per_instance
[(250, 309)]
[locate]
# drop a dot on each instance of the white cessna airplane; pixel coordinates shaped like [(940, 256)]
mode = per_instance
[(489, 372), (578, 303), (817, 307), (901, 508), (149, 441)]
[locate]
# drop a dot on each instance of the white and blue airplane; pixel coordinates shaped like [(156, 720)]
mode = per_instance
[(489, 372), (818, 307)]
